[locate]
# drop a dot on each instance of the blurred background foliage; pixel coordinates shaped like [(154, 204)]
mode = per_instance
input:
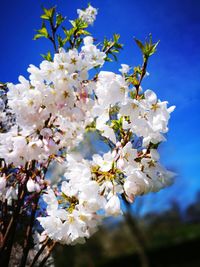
[(169, 238)]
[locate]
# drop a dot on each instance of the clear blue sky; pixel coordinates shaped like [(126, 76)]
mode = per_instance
[(174, 69)]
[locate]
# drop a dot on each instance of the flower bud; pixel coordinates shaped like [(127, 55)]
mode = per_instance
[(113, 206), (30, 185)]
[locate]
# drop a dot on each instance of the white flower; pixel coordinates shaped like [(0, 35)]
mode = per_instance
[(33, 186), (30, 185), (90, 197), (124, 68), (88, 15), (137, 184), (105, 163), (106, 130), (11, 194), (88, 40), (110, 89), (150, 96), (92, 56), (52, 226), (113, 206), (51, 200), (127, 156)]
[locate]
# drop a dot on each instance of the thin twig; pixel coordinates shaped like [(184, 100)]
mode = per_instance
[(11, 229), (52, 38), (27, 240), (144, 66), (39, 252), (109, 48), (48, 254)]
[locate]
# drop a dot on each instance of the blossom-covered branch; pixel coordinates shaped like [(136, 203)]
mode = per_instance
[(53, 109)]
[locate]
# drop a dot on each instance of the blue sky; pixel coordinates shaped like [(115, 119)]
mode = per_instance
[(174, 69)]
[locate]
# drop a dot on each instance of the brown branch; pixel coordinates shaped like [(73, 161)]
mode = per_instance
[(39, 252), (27, 240), (48, 254), (10, 232), (52, 38), (9, 236), (144, 67), (109, 48)]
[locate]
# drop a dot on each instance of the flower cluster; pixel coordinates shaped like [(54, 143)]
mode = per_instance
[(133, 126), (54, 108), (88, 15), (93, 189)]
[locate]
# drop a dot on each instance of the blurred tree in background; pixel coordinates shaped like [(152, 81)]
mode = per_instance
[(170, 238)]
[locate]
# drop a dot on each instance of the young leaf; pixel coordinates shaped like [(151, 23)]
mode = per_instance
[(148, 48), (47, 56), (41, 33), (139, 43), (59, 19), (48, 13), (112, 47)]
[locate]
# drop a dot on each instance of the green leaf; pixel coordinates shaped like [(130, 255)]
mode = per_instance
[(148, 48), (73, 22), (41, 33), (37, 36), (133, 94), (112, 47), (108, 59), (47, 56), (83, 32), (78, 24), (78, 42), (60, 41), (59, 19), (114, 56), (116, 37), (139, 43), (68, 33), (91, 127), (48, 13), (137, 70), (133, 80)]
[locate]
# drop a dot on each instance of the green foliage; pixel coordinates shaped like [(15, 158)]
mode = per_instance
[(75, 34), (48, 13), (148, 48), (72, 36), (59, 19), (91, 127), (47, 56), (42, 32), (112, 47), (117, 124), (134, 78)]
